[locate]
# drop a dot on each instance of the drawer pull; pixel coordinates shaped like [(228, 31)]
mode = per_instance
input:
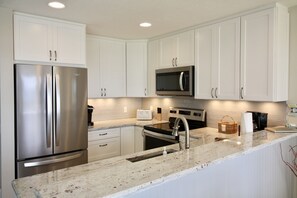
[(102, 145), (101, 134)]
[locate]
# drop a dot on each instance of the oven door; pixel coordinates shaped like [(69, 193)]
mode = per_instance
[(155, 140)]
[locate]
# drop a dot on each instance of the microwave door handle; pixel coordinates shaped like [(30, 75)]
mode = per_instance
[(181, 81)]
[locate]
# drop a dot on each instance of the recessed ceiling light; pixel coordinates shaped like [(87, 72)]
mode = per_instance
[(56, 4), (145, 24)]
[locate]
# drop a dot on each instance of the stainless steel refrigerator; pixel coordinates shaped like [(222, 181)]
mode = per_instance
[(51, 118)]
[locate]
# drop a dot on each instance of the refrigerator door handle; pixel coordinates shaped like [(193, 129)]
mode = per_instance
[(57, 108), (52, 161), (48, 93)]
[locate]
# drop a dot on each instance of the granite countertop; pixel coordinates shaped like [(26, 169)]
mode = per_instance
[(122, 122), (116, 177)]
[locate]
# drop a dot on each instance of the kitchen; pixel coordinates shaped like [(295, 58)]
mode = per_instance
[(114, 108)]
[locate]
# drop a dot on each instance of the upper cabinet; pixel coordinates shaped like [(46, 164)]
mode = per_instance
[(217, 60), (40, 39), (177, 50), (106, 60), (153, 64), (264, 55), (136, 68), (244, 58)]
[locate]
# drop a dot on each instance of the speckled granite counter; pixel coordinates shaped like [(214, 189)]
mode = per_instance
[(118, 177), (121, 123)]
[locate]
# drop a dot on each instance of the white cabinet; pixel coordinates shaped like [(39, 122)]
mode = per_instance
[(153, 64), (177, 50), (40, 39), (127, 140), (138, 139), (104, 144), (136, 68), (264, 55), (106, 67), (217, 60)]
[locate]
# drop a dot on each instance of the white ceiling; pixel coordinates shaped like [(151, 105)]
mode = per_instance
[(120, 18)]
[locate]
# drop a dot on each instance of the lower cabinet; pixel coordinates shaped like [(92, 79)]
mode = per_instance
[(104, 144), (138, 139), (107, 143), (127, 140)]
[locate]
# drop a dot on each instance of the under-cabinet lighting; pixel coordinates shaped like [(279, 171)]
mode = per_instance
[(56, 4)]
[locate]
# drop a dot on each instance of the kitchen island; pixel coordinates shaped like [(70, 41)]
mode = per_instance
[(117, 177)]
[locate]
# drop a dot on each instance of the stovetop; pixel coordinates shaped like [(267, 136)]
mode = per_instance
[(198, 120)]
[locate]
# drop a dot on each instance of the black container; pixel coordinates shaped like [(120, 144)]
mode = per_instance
[(90, 112), (259, 120)]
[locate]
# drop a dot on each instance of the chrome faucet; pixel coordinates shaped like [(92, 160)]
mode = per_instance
[(187, 131)]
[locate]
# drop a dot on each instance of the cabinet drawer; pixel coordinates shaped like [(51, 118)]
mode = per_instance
[(102, 149), (104, 134)]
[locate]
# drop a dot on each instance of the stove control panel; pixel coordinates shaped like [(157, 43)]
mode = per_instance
[(192, 114)]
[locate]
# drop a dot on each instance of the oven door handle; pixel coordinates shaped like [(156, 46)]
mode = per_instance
[(159, 136)]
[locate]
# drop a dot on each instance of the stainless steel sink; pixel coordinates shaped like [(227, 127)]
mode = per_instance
[(149, 155)]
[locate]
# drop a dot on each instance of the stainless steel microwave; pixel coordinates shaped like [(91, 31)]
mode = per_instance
[(175, 81)]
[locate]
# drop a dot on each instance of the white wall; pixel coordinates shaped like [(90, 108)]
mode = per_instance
[(7, 102)]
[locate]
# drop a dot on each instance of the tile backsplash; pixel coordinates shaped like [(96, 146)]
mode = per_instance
[(114, 108), (119, 108), (217, 109)]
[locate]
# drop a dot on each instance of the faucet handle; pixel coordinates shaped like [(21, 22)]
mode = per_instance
[(175, 130)]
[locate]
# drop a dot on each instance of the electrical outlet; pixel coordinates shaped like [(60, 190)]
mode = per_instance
[(125, 110)]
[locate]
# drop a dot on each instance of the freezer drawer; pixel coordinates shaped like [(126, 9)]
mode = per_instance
[(46, 164)]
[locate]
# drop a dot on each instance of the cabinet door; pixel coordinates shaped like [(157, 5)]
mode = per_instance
[(127, 140), (186, 46), (168, 51), (93, 68), (257, 56), (136, 68), (205, 60), (69, 46), (32, 39), (227, 70), (102, 149), (112, 68), (153, 64), (138, 139)]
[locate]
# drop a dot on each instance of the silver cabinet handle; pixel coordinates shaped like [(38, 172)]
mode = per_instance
[(241, 92), (176, 61), (52, 161), (101, 134), (172, 62), (49, 105), (181, 81), (104, 91), (56, 55), (145, 91), (211, 93), (50, 54), (57, 108), (103, 145), (101, 92), (216, 92)]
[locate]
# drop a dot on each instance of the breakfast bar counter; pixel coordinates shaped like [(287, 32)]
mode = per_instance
[(117, 177)]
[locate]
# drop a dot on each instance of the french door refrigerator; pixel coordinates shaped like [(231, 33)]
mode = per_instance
[(51, 118)]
